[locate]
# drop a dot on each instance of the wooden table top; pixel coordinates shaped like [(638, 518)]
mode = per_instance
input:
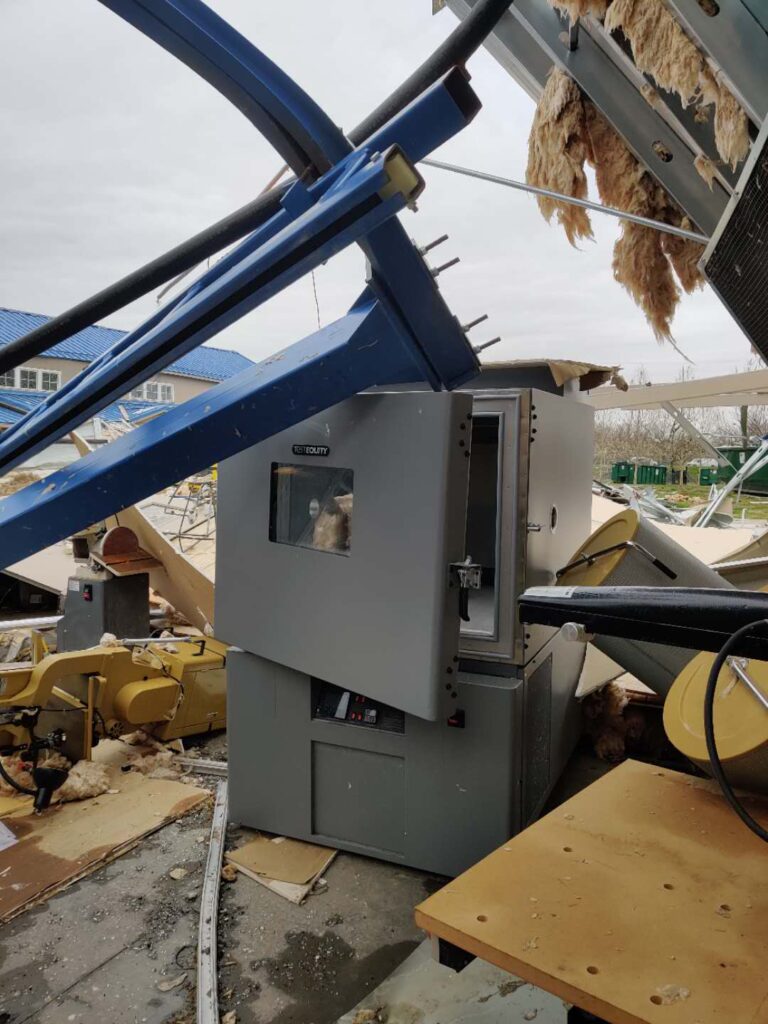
[(643, 900)]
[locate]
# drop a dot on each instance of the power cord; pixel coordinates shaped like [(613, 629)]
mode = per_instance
[(709, 728)]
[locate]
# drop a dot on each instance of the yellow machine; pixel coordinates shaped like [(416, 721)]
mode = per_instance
[(68, 702)]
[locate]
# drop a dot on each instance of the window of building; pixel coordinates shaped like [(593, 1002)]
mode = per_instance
[(31, 379), (153, 391)]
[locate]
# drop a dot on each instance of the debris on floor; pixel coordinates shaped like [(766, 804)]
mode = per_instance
[(70, 840), (289, 867)]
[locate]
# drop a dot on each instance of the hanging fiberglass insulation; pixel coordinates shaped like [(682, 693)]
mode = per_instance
[(569, 130), (556, 154), (580, 8), (661, 49)]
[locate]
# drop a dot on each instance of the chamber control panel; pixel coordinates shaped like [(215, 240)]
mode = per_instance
[(333, 704)]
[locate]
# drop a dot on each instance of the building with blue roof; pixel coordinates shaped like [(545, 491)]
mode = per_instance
[(188, 376)]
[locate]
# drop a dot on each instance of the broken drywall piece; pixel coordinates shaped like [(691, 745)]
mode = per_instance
[(169, 984)]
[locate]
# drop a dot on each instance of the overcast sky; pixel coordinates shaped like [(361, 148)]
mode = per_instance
[(113, 152)]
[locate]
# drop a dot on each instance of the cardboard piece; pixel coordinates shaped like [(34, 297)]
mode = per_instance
[(71, 840), (281, 859)]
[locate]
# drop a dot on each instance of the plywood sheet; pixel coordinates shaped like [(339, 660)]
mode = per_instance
[(70, 840), (643, 900)]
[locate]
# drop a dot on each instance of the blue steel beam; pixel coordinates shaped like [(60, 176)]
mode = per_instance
[(358, 351), (292, 122), (399, 329), (353, 206), (429, 121)]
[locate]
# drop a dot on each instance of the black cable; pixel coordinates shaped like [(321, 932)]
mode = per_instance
[(709, 728), (455, 50), (136, 284), (465, 39), (16, 785)]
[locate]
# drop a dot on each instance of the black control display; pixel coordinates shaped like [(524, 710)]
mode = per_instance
[(332, 704)]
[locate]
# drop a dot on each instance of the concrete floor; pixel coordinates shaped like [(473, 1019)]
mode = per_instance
[(104, 949), (109, 947)]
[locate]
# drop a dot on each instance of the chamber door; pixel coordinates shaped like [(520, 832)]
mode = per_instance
[(336, 540)]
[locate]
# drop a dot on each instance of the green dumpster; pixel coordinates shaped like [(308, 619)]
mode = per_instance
[(622, 473), (708, 476), (651, 474), (757, 483)]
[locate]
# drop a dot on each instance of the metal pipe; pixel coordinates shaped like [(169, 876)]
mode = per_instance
[(203, 766), (47, 622), (657, 225), (207, 969), (755, 462), (737, 666), (51, 621), (145, 641)]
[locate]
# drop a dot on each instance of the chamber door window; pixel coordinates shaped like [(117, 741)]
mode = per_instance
[(311, 507), (482, 539)]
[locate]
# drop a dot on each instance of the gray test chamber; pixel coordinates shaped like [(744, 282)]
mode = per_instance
[(363, 712)]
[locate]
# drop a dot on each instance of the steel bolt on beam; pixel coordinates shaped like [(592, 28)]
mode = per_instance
[(473, 323), (436, 271), (433, 245), (487, 344)]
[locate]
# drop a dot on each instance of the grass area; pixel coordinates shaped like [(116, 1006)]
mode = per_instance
[(687, 495)]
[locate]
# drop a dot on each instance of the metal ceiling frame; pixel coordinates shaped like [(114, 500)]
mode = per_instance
[(735, 42), (532, 37)]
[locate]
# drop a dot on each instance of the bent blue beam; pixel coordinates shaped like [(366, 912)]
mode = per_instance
[(129, 342), (351, 209), (355, 353), (288, 118), (429, 121)]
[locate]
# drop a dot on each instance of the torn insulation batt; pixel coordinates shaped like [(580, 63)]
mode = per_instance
[(567, 132), (662, 50)]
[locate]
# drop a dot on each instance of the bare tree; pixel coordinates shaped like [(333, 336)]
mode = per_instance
[(650, 435)]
